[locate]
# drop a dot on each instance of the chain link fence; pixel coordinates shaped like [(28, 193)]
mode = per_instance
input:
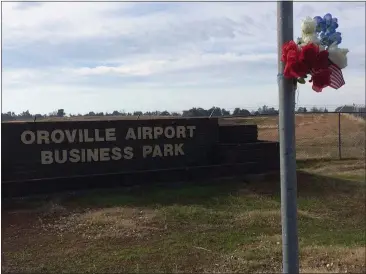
[(330, 135)]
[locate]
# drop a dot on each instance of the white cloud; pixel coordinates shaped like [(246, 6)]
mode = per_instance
[(55, 22), (149, 67), (159, 55)]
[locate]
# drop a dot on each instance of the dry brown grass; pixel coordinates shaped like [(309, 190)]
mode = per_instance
[(109, 223), (316, 134), (346, 169), (318, 259)]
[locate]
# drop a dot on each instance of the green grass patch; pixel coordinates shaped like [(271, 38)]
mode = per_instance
[(352, 177), (230, 226)]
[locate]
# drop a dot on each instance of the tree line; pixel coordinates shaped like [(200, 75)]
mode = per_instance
[(193, 112)]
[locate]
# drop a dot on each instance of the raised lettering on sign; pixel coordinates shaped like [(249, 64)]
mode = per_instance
[(58, 136), (104, 154), (162, 150), (152, 133), (86, 155)]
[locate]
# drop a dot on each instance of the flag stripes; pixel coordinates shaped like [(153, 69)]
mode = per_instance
[(336, 76)]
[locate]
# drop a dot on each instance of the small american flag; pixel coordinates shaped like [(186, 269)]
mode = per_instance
[(336, 76)]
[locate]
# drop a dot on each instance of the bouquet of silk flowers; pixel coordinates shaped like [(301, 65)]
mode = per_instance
[(316, 53)]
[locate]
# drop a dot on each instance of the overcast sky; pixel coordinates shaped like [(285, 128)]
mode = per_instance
[(157, 56)]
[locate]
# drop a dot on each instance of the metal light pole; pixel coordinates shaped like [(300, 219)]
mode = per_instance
[(287, 145)]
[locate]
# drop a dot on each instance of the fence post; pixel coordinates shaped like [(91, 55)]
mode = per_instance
[(339, 137)]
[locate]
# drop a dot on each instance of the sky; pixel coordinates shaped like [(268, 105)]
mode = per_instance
[(105, 56)]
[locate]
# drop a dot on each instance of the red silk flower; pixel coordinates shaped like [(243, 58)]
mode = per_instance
[(286, 48), (308, 59), (308, 55), (322, 61), (290, 55), (294, 68)]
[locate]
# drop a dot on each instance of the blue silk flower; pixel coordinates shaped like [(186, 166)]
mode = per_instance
[(326, 28)]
